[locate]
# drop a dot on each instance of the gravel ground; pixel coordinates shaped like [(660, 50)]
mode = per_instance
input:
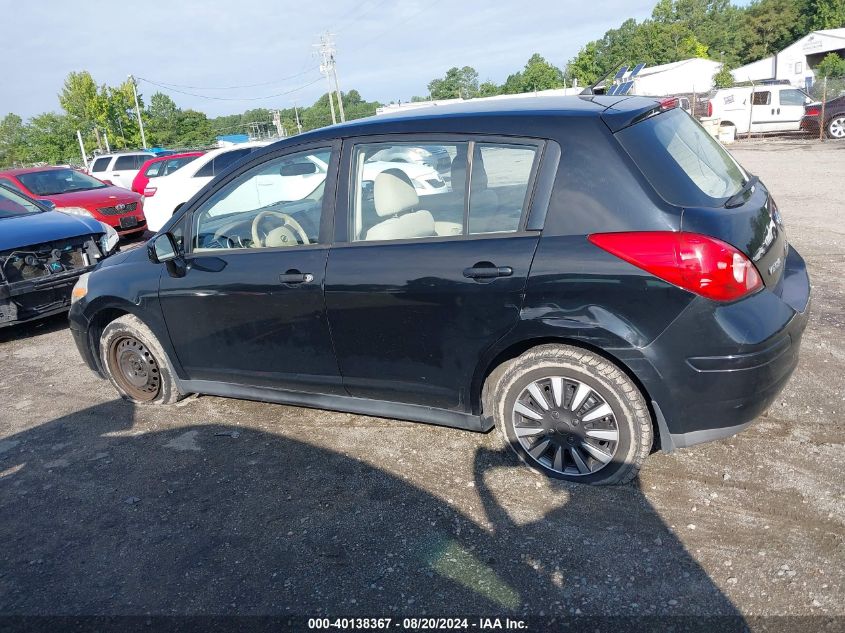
[(221, 506)]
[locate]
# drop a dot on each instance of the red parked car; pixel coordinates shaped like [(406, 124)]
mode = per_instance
[(76, 193), (161, 166)]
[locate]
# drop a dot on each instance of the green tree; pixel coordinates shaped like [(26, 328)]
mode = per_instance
[(770, 26), (13, 147), (831, 66), (489, 89), (161, 120), (538, 74), (52, 139), (825, 14), (723, 78), (457, 83)]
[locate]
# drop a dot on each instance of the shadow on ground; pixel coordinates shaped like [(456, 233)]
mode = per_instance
[(100, 518)]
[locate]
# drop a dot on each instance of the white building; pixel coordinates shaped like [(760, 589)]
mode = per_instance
[(683, 77), (411, 105), (795, 63)]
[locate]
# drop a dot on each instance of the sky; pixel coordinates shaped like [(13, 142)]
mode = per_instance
[(386, 49)]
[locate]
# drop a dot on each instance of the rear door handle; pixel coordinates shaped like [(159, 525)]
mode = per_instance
[(295, 277), (487, 272)]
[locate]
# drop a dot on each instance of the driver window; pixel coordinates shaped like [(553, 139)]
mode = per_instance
[(276, 204)]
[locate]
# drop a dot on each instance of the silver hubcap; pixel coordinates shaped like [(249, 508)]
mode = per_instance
[(837, 127), (565, 425)]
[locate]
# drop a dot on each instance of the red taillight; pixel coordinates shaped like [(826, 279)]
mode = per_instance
[(698, 263), (812, 111), (670, 103), (709, 108), (149, 192)]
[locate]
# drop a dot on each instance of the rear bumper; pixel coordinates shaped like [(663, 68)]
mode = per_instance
[(715, 370)]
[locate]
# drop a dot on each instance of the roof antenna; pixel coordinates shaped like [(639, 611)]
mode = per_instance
[(590, 90)]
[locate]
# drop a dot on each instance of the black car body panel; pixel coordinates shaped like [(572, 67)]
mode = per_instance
[(395, 328)]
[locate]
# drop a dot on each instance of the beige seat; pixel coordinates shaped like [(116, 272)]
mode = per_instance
[(395, 198)]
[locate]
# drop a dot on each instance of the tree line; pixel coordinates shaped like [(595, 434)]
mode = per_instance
[(676, 30), (105, 115)]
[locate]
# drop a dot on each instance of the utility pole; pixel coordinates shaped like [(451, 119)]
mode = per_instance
[(277, 121), (328, 68), (138, 111), (82, 148), (296, 114)]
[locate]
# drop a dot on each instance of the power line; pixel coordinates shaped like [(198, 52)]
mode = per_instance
[(193, 94), (365, 13), (265, 83), (372, 39)]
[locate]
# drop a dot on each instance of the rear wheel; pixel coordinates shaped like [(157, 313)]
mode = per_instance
[(836, 127), (572, 415), (136, 364)]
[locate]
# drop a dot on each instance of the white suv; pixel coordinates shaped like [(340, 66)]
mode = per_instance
[(119, 169), (165, 194)]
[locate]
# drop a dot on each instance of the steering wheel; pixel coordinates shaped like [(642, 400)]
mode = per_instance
[(280, 236)]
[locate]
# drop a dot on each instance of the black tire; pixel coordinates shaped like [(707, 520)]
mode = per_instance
[(136, 364), (569, 431)]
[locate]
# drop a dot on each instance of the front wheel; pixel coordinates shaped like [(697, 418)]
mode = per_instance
[(836, 127), (573, 415), (136, 364)]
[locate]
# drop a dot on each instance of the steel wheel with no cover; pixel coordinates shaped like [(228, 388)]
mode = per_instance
[(136, 364)]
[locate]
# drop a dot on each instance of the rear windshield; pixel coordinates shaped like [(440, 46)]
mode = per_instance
[(686, 165)]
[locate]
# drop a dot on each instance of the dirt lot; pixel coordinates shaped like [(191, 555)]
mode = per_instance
[(220, 506)]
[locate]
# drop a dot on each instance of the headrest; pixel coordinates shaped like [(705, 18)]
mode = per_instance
[(459, 169), (393, 193)]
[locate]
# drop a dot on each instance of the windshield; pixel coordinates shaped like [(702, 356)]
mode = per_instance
[(12, 204), (55, 181), (686, 165)]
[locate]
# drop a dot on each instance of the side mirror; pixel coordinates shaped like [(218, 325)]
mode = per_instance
[(162, 248), (298, 169), (48, 204)]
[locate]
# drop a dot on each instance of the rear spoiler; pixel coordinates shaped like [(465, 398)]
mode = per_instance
[(635, 110)]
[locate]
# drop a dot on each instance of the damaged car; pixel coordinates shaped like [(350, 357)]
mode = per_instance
[(42, 254)]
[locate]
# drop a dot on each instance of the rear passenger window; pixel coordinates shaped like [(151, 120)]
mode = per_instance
[(499, 187), (761, 98), (153, 170), (125, 162), (101, 164), (413, 191)]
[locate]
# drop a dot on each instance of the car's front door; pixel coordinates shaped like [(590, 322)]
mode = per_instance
[(249, 307), (428, 278), (790, 109)]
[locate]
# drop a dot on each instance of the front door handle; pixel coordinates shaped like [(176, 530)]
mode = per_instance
[(295, 277), (487, 271)]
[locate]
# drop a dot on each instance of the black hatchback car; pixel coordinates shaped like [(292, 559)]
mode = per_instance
[(599, 279)]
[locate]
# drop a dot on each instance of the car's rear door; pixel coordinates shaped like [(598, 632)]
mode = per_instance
[(419, 285), (248, 309)]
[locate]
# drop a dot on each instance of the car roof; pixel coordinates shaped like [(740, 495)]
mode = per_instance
[(30, 170), (512, 108)]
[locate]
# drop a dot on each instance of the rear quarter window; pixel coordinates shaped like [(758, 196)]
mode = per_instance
[(684, 164), (125, 162), (101, 164)]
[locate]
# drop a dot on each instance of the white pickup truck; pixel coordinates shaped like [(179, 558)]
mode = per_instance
[(763, 108)]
